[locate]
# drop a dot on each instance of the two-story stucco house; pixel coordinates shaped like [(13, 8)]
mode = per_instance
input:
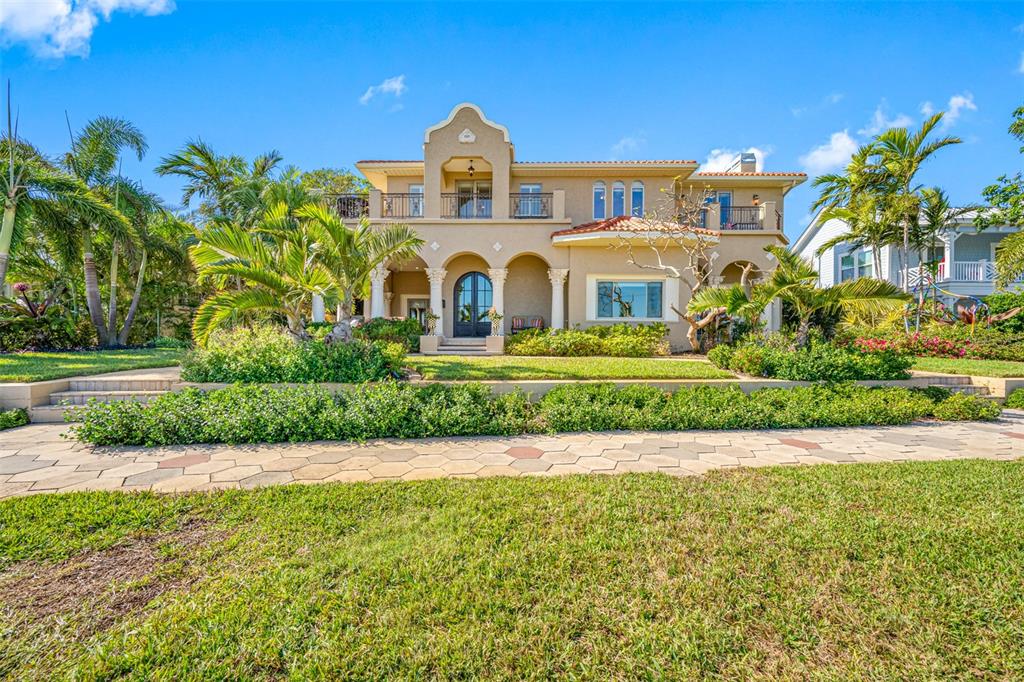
[(962, 259), (536, 239)]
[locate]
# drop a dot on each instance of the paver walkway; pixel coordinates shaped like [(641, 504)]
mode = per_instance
[(36, 459)]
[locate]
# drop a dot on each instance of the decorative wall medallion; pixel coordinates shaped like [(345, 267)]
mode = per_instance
[(467, 136), (435, 246), (497, 246)]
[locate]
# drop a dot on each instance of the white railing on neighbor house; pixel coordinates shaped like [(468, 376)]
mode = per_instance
[(962, 271)]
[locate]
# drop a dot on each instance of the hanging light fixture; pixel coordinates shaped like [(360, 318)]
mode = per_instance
[(471, 169)]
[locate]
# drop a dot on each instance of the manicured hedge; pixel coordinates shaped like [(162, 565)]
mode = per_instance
[(405, 332), (254, 414), (11, 418), (821, 361), (1016, 399), (617, 340), (266, 355)]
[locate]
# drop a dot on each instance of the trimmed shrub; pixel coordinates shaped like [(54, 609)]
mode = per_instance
[(820, 361), (11, 418), (265, 355), (1016, 399), (52, 331), (254, 414), (948, 341), (1004, 302), (618, 340), (405, 332)]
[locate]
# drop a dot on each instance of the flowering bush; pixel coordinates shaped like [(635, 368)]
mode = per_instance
[(916, 344), (819, 361)]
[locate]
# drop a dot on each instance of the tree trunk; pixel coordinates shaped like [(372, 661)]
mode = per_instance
[(6, 236), (112, 304), (129, 319), (876, 257), (698, 324), (342, 331), (92, 289), (803, 333)]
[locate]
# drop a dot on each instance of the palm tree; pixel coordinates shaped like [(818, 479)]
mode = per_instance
[(276, 261), (94, 155), (899, 155), (937, 216), (1009, 259), (351, 254), (794, 281)]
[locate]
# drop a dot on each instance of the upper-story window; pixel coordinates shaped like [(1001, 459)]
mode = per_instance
[(416, 201), (529, 203), (855, 265), (637, 199), (599, 200), (618, 199)]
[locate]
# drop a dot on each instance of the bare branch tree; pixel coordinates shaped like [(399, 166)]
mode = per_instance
[(671, 239)]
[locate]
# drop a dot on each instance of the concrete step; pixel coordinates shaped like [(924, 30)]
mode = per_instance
[(83, 397), (47, 414), (464, 341), (968, 388), (462, 350), (949, 380), (115, 385)]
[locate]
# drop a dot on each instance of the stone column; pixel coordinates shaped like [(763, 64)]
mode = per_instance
[(498, 276), (377, 277), (318, 308), (557, 277), (436, 277), (388, 296)]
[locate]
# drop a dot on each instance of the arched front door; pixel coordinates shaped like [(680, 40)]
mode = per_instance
[(472, 301)]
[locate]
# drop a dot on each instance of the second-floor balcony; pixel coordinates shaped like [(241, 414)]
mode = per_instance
[(761, 217), (465, 205), (454, 205), (980, 271)]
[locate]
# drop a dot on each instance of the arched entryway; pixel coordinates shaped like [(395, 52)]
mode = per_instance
[(473, 298)]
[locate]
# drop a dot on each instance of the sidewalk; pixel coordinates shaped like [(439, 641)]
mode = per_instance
[(36, 459)]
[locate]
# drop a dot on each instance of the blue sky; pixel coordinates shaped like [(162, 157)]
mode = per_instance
[(802, 82)]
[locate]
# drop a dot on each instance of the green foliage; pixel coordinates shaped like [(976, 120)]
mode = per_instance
[(406, 332), (53, 330), (262, 354), (818, 361), (504, 367), (963, 407), (1015, 400), (254, 414), (11, 418), (970, 341), (618, 340), (169, 342), (1004, 302)]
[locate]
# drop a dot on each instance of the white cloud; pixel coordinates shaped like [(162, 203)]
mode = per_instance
[(58, 28), (833, 154), (628, 145), (880, 121), (957, 105), (927, 109), (720, 160), (389, 86)]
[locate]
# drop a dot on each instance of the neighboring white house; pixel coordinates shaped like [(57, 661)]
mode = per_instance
[(970, 252)]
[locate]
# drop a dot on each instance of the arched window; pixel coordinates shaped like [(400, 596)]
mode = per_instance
[(637, 199), (599, 201), (618, 198)]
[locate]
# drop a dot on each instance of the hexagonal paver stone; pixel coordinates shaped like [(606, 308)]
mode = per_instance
[(266, 478), (286, 464), (354, 463), (180, 483), (660, 442), (495, 458), (498, 470), (152, 476), (21, 463), (236, 473), (64, 481), (530, 465), (330, 457), (566, 469), (524, 452), (643, 448), (595, 463), (797, 443), (350, 476), (565, 457), (638, 467), (317, 472), (428, 461), (424, 473), (183, 461), (462, 466), (461, 453), (390, 469), (402, 455)]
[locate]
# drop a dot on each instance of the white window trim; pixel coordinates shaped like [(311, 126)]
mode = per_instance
[(620, 185), (638, 185), (604, 200), (669, 292)]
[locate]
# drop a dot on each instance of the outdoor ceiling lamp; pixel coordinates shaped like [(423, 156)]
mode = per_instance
[(471, 169)]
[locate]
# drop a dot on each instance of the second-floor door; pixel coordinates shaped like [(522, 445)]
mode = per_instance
[(474, 198)]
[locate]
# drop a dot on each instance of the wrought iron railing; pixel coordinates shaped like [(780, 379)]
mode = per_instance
[(465, 206), (402, 205), (351, 205), (530, 205), (742, 218)]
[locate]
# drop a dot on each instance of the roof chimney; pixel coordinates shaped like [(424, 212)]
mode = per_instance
[(748, 162)]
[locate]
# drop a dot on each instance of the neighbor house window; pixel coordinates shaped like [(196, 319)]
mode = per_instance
[(618, 199), (865, 268), (629, 300), (637, 199), (856, 265), (847, 268), (599, 192)]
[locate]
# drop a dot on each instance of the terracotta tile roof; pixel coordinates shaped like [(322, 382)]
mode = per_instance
[(761, 174), (644, 162), (613, 225)]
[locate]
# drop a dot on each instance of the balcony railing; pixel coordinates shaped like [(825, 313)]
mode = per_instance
[(352, 205), (465, 206), (742, 218), (408, 205), (962, 271), (530, 205)]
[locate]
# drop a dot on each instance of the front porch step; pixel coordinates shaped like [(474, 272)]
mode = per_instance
[(113, 385), (48, 414), (968, 388), (83, 397), (462, 350), (464, 341)]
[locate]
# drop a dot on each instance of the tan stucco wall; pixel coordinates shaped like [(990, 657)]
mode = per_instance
[(527, 290)]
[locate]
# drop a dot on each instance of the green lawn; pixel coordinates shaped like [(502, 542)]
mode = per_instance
[(891, 571), (511, 367), (16, 367), (981, 368)]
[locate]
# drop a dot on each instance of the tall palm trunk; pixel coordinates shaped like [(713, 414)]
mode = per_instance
[(129, 319), (6, 235), (803, 332), (92, 289), (112, 304), (876, 259)]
